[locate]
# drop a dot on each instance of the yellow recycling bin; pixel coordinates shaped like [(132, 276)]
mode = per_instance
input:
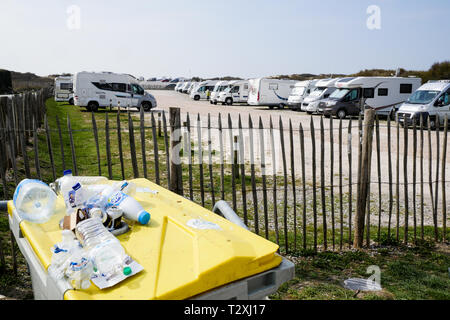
[(186, 251)]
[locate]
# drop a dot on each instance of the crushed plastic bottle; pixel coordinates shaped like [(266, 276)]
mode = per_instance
[(61, 253), (105, 251), (80, 269), (34, 200)]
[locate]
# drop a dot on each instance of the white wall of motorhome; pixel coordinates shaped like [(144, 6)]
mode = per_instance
[(301, 90), (270, 92), (237, 92), (95, 90), (200, 91), (324, 88), (185, 87), (64, 89), (431, 101), (192, 86)]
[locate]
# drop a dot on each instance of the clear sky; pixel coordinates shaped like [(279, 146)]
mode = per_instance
[(207, 38)]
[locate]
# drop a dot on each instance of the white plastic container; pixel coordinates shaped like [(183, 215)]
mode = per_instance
[(34, 200), (132, 209), (68, 180)]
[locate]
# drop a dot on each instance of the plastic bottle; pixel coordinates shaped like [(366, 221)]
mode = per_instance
[(63, 184), (61, 254), (75, 198), (34, 200), (132, 209), (105, 250), (80, 269)]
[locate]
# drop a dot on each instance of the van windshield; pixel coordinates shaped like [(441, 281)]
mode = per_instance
[(422, 96), (318, 91), (298, 91), (339, 93)]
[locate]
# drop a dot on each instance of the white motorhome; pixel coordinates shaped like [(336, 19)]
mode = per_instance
[(95, 90), (324, 88), (236, 93), (379, 93), (301, 90), (178, 86), (184, 88), (200, 91), (431, 100), (64, 89), (220, 87), (191, 87), (270, 92)]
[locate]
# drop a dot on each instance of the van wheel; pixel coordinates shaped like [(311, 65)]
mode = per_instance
[(196, 98), (147, 106), (281, 106), (270, 107), (92, 106), (432, 124), (229, 101), (341, 114), (71, 101)]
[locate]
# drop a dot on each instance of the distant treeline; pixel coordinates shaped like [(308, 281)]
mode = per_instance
[(17, 82)]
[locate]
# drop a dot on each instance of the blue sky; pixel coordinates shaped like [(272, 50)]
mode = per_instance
[(210, 38)]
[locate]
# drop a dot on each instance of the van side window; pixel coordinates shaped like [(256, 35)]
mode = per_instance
[(245, 86), (382, 92), (235, 89), (405, 88), (444, 100), (102, 85), (121, 87), (137, 89), (352, 95), (369, 92)]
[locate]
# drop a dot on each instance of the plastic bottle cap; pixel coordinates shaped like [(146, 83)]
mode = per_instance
[(66, 172), (144, 217), (77, 186), (127, 271)]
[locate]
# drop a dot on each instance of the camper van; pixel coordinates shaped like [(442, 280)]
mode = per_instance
[(201, 89), (324, 88), (301, 90), (64, 89), (95, 90), (379, 93), (236, 93), (431, 100), (191, 87), (220, 87), (270, 92), (185, 87)]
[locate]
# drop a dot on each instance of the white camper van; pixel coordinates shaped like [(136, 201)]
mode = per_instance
[(185, 87), (236, 93), (431, 100), (95, 90), (324, 88), (64, 89), (218, 88), (301, 90), (201, 89), (379, 93), (270, 92), (178, 86)]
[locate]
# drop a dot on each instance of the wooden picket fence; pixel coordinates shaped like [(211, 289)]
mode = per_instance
[(315, 199)]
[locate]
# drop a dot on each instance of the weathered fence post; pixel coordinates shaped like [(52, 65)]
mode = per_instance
[(176, 182), (369, 117)]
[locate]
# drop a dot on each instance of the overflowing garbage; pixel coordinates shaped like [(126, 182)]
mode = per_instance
[(89, 250)]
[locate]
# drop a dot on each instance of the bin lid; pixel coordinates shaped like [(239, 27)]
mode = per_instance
[(185, 249)]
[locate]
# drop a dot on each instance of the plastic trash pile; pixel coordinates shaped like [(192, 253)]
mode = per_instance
[(89, 249)]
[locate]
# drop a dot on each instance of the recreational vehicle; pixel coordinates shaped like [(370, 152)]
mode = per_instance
[(178, 86), (191, 87), (324, 88), (270, 92), (64, 89), (431, 101), (200, 91), (220, 87), (236, 93), (185, 87), (301, 90), (379, 93), (95, 90)]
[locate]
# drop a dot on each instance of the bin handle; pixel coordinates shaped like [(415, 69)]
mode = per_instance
[(3, 205), (223, 209)]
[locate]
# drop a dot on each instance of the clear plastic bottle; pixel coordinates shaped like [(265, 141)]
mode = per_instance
[(61, 253), (105, 250), (63, 184), (34, 200), (76, 198), (80, 269)]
